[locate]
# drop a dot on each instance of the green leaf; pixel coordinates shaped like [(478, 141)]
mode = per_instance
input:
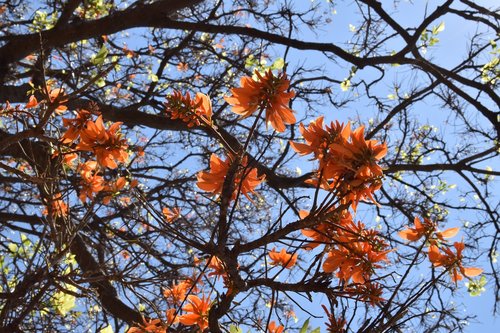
[(153, 77), (63, 302), (305, 327), (100, 82), (235, 329), (316, 330), (107, 329), (278, 64), (24, 238), (344, 85), (476, 287), (99, 58), (251, 61), (438, 29), (13, 247), (433, 41)]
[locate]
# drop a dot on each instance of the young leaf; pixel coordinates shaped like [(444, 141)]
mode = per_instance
[(99, 58), (438, 29), (345, 85), (107, 329), (305, 327), (235, 329), (278, 64)]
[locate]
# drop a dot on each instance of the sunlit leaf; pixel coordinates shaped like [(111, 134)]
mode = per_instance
[(99, 58), (305, 327)]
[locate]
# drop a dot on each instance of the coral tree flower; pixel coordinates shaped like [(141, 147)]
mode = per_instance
[(283, 258), (267, 93), (91, 181), (198, 309), (427, 228), (325, 231), (177, 293), (319, 141), (347, 162), (149, 326), (75, 126), (213, 180), (58, 97), (355, 253), (334, 325), (274, 328), (217, 266), (56, 207), (113, 188), (171, 214), (32, 102), (194, 112), (172, 318), (452, 261), (107, 144)]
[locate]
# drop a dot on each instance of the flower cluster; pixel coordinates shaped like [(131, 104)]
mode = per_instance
[(107, 145), (267, 92), (195, 311), (213, 181), (440, 252), (56, 207), (194, 112), (107, 149), (56, 99), (354, 252), (348, 162), (283, 258)]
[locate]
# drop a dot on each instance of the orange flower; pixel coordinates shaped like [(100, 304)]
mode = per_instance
[(182, 67), (268, 93), (347, 162), (326, 231), (213, 180), (177, 293), (319, 141), (68, 158), (107, 144), (452, 262), (283, 258), (428, 228), (113, 188), (414, 234), (357, 163), (334, 325), (273, 328), (56, 207), (57, 97), (171, 215), (356, 252), (149, 326), (172, 318), (193, 112), (32, 102), (91, 181), (218, 266), (199, 312), (75, 126), (363, 155), (125, 254), (370, 293)]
